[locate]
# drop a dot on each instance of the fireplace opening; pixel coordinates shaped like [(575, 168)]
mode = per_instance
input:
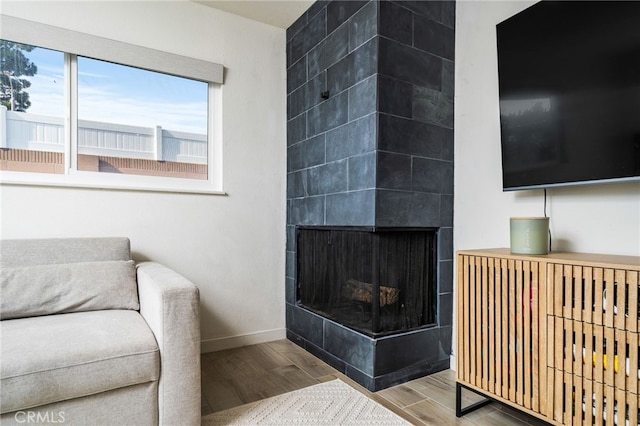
[(375, 281)]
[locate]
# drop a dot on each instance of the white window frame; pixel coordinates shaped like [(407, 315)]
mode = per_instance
[(75, 44)]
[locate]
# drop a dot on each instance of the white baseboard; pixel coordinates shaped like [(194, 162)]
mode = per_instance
[(214, 345)]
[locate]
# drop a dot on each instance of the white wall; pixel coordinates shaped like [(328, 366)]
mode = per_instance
[(594, 219), (232, 247)]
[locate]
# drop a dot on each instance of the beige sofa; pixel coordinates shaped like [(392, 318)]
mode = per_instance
[(89, 337)]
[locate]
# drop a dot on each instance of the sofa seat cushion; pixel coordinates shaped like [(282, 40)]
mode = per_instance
[(58, 357)]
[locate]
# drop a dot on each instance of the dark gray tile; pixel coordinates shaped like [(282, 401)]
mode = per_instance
[(446, 210), (307, 211), (362, 98), (339, 11), (393, 171), (296, 103), (297, 74), (445, 309), (445, 277), (363, 25), (431, 9), (447, 179), (445, 341), (296, 129), (328, 178), (325, 356), (329, 51), (434, 37), (445, 243), (351, 347), (449, 13), (432, 106), (413, 372), (362, 171), (355, 138), (339, 144), (329, 114), (447, 145), (412, 137), (308, 153), (354, 208), (290, 271), (448, 77), (409, 64), (402, 208), (290, 290), (289, 60), (307, 38), (297, 26), (365, 60), (313, 90), (304, 324), (291, 238), (317, 6), (353, 68), (395, 96), (428, 175), (396, 22), (417, 347), (297, 184)]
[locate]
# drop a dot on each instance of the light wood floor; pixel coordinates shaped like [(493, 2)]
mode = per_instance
[(238, 376)]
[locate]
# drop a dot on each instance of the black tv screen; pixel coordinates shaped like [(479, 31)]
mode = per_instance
[(569, 80)]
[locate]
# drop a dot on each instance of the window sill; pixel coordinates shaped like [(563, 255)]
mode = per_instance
[(104, 181)]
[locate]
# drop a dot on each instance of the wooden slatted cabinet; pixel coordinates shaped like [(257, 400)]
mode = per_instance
[(555, 336)]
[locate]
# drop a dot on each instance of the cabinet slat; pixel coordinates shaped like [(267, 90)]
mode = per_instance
[(633, 319), (498, 336), (633, 376), (492, 326), (506, 319), (621, 305), (597, 292), (587, 312), (519, 326), (608, 304), (512, 330), (484, 293), (478, 322), (473, 359)]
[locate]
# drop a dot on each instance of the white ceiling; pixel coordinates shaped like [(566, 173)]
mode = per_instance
[(279, 13)]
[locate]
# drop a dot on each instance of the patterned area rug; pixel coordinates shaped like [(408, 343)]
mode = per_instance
[(330, 403)]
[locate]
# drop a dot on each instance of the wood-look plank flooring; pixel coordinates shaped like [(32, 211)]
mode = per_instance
[(238, 376)]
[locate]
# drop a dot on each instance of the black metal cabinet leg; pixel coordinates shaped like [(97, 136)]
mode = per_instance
[(462, 411)]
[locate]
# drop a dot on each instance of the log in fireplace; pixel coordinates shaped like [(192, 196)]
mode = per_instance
[(375, 281)]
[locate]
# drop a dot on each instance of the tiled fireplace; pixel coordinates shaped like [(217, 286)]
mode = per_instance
[(370, 187)]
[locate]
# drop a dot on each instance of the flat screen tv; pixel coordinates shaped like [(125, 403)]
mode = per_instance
[(569, 80)]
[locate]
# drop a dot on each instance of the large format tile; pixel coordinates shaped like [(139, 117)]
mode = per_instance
[(238, 376)]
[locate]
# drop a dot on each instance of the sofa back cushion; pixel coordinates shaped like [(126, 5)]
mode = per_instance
[(52, 276), (29, 291), (49, 251)]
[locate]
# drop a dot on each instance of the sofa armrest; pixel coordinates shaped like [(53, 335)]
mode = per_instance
[(170, 304)]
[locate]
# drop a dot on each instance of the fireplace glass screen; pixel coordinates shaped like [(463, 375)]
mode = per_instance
[(377, 283)]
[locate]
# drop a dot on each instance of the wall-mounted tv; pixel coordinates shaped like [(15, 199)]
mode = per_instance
[(569, 79)]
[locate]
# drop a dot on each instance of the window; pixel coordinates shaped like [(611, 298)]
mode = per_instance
[(134, 121), (32, 110), (131, 118)]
